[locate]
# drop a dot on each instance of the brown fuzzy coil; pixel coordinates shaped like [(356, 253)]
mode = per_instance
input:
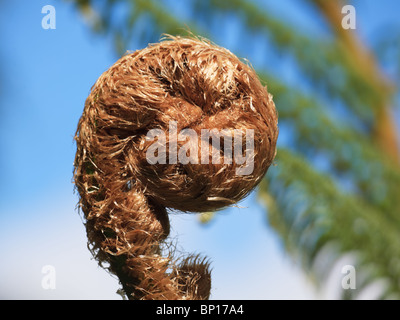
[(124, 197)]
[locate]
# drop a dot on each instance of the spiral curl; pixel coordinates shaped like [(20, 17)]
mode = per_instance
[(124, 198)]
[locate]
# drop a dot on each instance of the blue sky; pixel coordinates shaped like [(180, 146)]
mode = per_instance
[(45, 77)]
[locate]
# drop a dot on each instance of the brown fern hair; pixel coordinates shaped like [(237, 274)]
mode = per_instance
[(124, 198)]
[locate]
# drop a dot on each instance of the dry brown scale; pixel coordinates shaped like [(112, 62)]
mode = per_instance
[(125, 198)]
